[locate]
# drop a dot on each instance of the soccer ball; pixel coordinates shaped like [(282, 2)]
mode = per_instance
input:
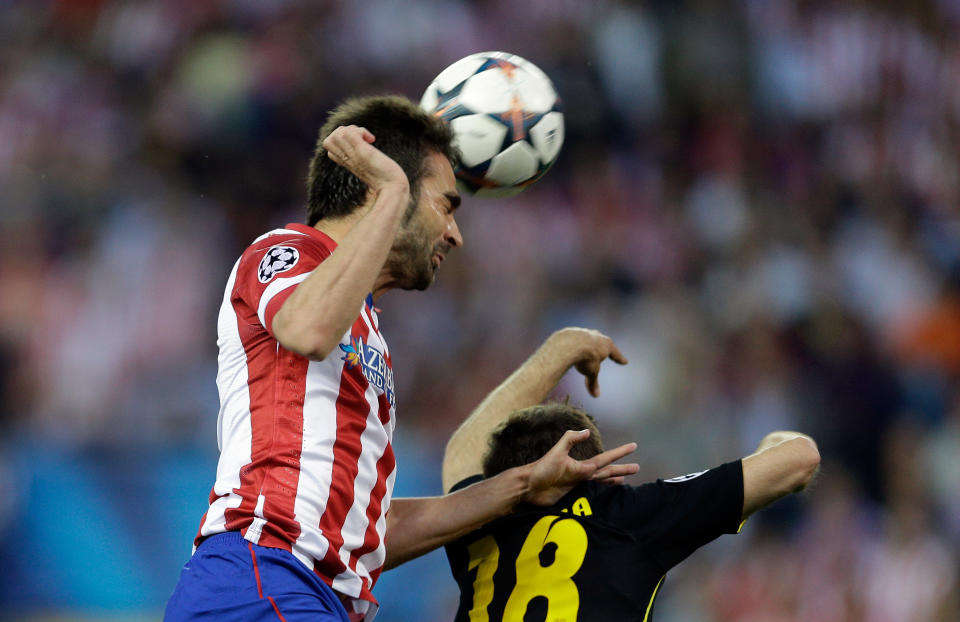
[(506, 119)]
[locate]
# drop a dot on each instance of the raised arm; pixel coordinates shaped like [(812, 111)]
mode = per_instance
[(416, 526), (530, 384), (784, 462), (316, 315)]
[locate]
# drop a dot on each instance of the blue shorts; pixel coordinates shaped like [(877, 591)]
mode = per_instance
[(231, 580)]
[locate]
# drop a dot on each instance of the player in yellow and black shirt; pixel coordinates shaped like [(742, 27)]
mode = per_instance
[(601, 552)]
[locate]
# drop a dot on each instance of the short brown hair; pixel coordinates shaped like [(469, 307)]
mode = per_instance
[(528, 434), (403, 131)]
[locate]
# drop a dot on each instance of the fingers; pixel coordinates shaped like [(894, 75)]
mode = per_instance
[(342, 143), (571, 438), (612, 455), (598, 347), (615, 354), (593, 385), (609, 350), (616, 471), (568, 440), (556, 473), (590, 368), (352, 147)]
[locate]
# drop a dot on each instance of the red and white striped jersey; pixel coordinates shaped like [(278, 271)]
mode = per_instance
[(306, 462)]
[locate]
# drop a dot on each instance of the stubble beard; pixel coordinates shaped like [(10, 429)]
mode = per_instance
[(411, 258)]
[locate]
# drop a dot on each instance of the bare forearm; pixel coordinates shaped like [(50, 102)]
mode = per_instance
[(528, 385), (416, 526), (323, 307)]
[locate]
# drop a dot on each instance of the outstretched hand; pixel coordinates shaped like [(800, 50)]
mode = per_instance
[(590, 348), (352, 147), (556, 473)]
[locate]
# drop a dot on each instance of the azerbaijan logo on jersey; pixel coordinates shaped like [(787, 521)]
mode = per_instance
[(372, 363)]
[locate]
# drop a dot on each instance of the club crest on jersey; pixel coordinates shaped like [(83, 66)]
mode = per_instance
[(372, 363), (278, 259)]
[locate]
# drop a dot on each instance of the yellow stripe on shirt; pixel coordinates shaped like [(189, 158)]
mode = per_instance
[(646, 616)]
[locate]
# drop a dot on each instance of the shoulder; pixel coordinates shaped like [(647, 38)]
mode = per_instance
[(633, 503), (289, 249), (296, 236), (724, 479)]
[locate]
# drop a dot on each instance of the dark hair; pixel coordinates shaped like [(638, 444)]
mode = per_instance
[(528, 434), (403, 131)]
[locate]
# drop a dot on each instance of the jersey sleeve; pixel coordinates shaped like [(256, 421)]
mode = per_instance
[(674, 517), (270, 270)]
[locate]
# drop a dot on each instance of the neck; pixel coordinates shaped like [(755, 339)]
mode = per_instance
[(384, 282), (338, 228)]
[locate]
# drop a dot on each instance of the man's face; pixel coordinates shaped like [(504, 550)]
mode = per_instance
[(430, 231)]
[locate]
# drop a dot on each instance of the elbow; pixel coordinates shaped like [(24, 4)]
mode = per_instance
[(390, 562), (315, 353), (319, 348), (315, 349), (314, 343)]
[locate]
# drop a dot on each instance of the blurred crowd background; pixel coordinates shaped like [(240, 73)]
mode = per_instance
[(759, 200)]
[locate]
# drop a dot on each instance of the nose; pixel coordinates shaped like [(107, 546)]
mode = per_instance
[(452, 235)]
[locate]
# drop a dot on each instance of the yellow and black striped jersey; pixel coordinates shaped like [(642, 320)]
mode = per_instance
[(600, 553)]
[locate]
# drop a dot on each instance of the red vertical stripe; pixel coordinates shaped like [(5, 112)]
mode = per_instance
[(276, 381), (280, 482), (352, 408), (385, 466), (261, 425), (371, 538)]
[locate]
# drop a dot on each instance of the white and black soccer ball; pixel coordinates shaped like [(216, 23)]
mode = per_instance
[(506, 119)]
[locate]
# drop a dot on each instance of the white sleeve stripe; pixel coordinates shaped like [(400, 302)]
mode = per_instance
[(275, 288)]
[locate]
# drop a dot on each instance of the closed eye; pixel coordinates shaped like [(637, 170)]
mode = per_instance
[(454, 201)]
